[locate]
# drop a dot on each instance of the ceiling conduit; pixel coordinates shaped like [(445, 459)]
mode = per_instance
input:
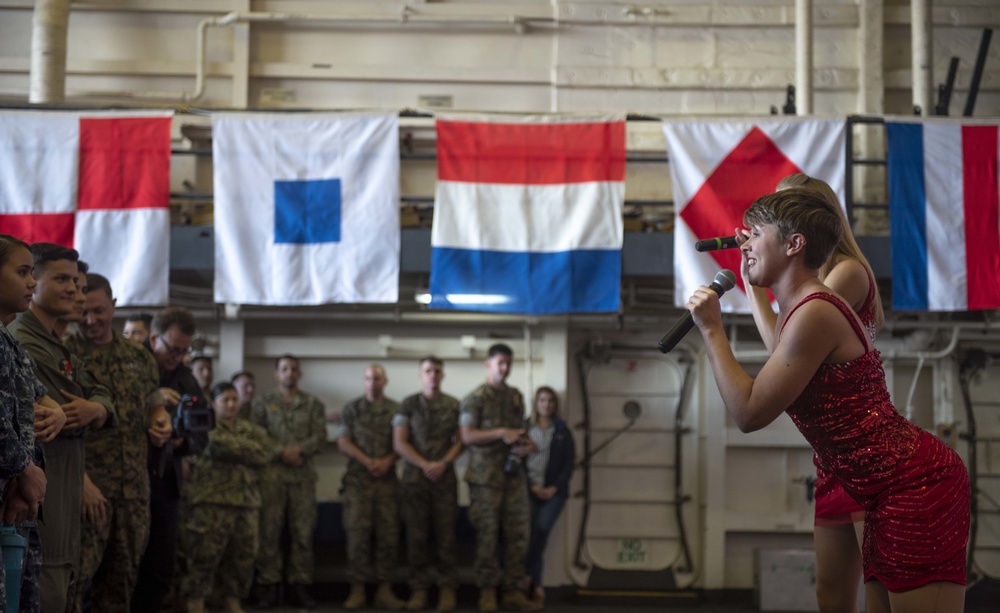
[(407, 15), (49, 33)]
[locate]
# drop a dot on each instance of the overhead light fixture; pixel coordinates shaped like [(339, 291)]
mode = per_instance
[(423, 296)]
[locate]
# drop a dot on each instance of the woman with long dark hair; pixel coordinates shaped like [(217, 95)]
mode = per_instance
[(549, 471)]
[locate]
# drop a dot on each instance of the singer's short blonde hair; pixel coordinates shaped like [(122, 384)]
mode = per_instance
[(799, 210), (847, 247)]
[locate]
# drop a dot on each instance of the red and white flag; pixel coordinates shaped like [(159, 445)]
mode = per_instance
[(97, 182), (720, 167)]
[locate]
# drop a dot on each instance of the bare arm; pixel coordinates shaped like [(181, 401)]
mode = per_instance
[(477, 436), (849, 279), (455, 450), (401, 444), (817, 333), (349, 449)]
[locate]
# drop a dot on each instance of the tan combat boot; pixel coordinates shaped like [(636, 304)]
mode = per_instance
[(418, 600), (446, 602), (356, 599), (232, 605), (196, 605), (517, 601), (385, 599), (487, 600)]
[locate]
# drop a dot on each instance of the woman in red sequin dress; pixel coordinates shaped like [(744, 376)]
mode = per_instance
[(825, 373), (839, 518)]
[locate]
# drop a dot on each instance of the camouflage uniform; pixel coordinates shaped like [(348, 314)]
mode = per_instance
[(60, 534), (17, 448), (369, 503), (498, 502), (432, 426), (289, 492), (219, 534), (116, 463)]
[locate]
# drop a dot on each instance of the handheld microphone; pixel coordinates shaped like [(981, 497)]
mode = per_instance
[(724, 281), (720, 242)]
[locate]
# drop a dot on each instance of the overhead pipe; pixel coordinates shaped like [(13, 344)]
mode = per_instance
[(920, 36), (49, 34), (803, 57), (519, 23)]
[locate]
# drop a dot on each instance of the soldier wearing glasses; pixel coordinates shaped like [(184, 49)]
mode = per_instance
[(169, 340)]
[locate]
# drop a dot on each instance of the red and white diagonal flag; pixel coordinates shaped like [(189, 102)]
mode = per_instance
[(720, 167)]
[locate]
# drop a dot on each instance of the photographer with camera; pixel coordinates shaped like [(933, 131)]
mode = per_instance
[(170, 340), (491, 422)]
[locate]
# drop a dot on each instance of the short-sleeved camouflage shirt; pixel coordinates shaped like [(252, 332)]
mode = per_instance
[(370, 428), (487, 408), (433, 426)]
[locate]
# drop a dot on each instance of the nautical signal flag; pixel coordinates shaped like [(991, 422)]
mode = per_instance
[(528, 214), (98, 182), (944, 197), (306, 208), (719, 168)]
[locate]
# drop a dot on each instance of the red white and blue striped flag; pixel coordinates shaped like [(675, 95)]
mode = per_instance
[(943, 210), (528, 214)]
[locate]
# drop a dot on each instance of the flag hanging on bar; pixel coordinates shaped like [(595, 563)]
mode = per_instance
[(528, 214)]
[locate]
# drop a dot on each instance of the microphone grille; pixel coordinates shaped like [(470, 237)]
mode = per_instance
[(726, 279)]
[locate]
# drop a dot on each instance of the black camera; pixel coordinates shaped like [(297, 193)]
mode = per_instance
[(192, 416), (512, 464)]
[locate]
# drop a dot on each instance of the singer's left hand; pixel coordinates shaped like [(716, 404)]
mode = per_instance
[(705, 309)]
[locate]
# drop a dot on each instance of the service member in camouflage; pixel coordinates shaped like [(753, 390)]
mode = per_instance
[(492, 427), (246, 386), (295, 420), (23, 423), (219, 535), (369, 491), (425, 434), (116, 482), (87, 405)]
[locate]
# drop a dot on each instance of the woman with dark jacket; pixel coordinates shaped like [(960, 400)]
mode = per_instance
[(549, 471)]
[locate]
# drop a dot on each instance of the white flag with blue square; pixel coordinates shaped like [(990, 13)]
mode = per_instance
[(306, 208)]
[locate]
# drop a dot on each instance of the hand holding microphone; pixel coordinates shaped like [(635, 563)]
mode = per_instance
[(724, 281)]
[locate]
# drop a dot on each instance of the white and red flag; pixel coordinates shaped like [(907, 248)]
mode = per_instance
[(98, 182), (719, 167)]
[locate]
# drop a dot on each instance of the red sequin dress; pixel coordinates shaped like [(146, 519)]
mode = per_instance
[(913, 488), (834, 506)]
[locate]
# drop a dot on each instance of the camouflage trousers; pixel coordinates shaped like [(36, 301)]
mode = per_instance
[(370, 512), (31, 576), (110, 553), (294, 505), (422, 505), (495, 513), (219, 544)]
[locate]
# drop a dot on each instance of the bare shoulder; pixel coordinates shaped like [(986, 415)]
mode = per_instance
[(849, 279), (821, 330)]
